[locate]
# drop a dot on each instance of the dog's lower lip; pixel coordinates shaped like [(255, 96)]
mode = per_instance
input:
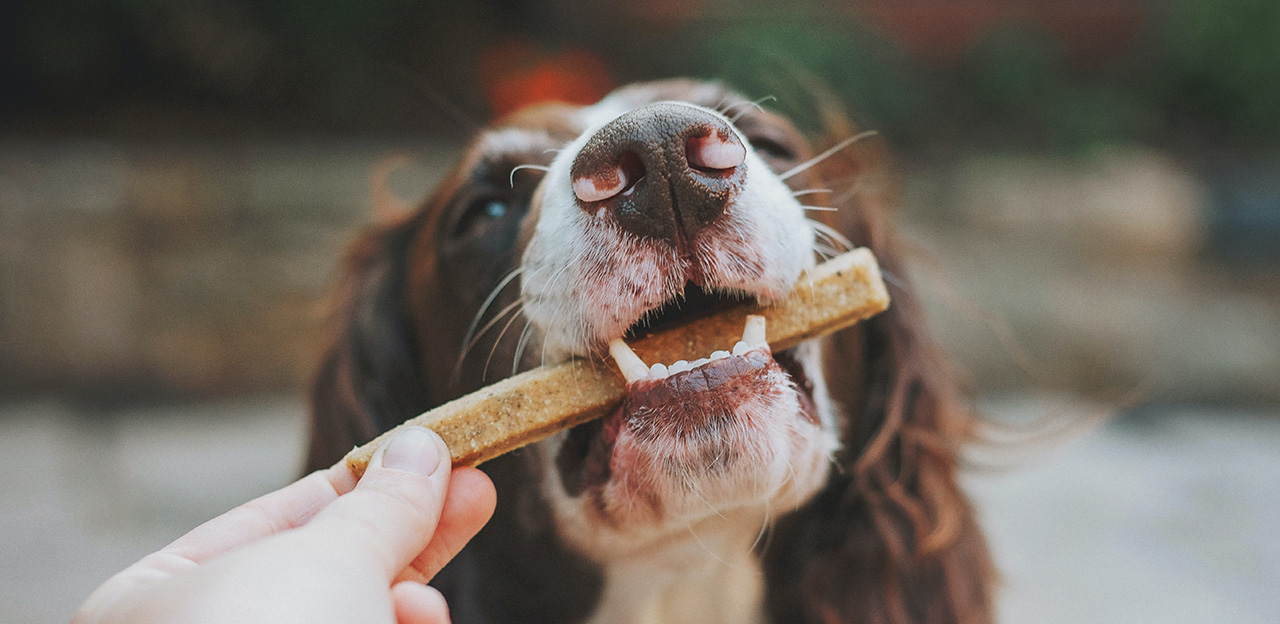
[(708, 378), (675, 405)]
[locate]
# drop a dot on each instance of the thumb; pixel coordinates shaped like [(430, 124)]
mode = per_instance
[(391, 515)]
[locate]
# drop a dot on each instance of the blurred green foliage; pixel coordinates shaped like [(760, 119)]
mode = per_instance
[(1204, 69), (783, 56), (1220, 61), (1024, 78)]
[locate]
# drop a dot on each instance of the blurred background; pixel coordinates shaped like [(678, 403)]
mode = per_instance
[(1091, 189)]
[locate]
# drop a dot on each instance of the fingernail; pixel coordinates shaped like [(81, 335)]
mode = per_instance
[(415, 450)]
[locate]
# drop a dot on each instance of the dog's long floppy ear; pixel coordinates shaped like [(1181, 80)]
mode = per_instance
[(371, 375), (890, 539)]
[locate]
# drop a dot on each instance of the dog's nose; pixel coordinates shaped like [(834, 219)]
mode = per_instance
[(664, 171)]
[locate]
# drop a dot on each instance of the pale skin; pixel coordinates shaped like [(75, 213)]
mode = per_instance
[(324, 549)]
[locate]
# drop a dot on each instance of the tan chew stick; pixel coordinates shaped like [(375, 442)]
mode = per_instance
[(530, 406)]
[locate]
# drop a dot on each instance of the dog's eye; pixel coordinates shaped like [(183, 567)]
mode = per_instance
[(770, 148), (479, 213)]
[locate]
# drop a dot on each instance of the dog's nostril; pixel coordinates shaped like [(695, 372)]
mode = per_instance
[(631, 165), (716, 150), (602, 185)]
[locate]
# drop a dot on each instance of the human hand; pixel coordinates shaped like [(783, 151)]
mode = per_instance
[(323, 549)]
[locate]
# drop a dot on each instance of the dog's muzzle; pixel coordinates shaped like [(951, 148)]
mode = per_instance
[(665, 171)]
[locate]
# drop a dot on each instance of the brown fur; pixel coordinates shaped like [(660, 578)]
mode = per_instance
[(890, 539)]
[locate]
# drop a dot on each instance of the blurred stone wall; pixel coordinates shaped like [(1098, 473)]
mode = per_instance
[(1091, 275), (199, 270), (176, 269)]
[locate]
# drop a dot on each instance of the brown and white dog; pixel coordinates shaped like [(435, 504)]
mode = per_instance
[(811, 485)]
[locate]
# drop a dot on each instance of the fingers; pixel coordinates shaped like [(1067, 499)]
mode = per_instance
[(416, 603), (286, 508), (289, 507), (467, 508), (390, 516)]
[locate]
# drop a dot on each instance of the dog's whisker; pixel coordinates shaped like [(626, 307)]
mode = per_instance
[(512, 177), (833, 150), (693, 487), (892, 280), (833, 234), (488, 301), (812, 191), (525, 334), (822, 235), (825, 252), (494, 321), (551, 287), (824, 238), (764, 526), (820, 208), (720, 559), (545, 336), (721, 105), (746, 106), (484, 372)]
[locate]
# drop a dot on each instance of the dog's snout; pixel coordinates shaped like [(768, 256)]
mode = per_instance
[(663, 171)]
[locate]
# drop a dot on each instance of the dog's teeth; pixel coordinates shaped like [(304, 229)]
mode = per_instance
[(632, 367), (753, 332)]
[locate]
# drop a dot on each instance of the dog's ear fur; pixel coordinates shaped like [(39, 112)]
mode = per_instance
[(371, 376), (890, 539)]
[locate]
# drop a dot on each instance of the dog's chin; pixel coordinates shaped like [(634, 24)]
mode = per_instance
[(737, 436)]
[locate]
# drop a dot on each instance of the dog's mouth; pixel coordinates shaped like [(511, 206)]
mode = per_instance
[(689, 418), (692, 302)]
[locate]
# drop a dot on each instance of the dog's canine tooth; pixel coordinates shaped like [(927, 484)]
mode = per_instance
[(633, 368), (753, 332)]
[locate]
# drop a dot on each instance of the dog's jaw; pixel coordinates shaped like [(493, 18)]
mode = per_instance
[(763, 456)]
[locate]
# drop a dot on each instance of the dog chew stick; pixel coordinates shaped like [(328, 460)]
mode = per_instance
[(530, 406)]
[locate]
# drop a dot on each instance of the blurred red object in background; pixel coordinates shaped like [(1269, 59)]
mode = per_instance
[(516, 73)]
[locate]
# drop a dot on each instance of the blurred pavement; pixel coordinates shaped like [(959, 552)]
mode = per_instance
[(1166, 515)]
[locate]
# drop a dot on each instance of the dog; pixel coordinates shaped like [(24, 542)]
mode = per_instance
[(816, 484)]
